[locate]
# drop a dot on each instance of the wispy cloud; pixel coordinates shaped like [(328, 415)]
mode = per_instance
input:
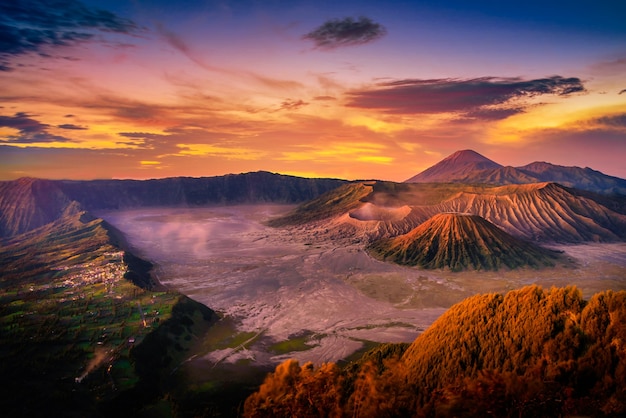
[(36, 26), (71, 126), (612, 121), (486, 98), (291, 104), (178, 43), (337, 33), (30, 130), (622, 91)]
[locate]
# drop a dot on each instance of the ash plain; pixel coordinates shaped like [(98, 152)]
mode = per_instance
[(287, 293)]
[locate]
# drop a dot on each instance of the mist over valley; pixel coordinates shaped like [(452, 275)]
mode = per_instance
[(279, 284), (182, 294)]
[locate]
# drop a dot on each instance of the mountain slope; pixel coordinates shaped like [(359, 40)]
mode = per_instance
[(472, 168), (550, 335), (541, 212), (545, 212), (528, 353), (28, 203), (257, 187), (576, 177), (458, 242), (455, 166), (333, 203)]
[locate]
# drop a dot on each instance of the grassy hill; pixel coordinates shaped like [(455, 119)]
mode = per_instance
[(83, 330), (530, 352)]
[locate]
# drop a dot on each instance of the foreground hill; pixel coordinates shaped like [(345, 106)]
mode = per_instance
[(541, 212), (469, 167), (27, 203), (527, 353), (84, 330), (461, 241)]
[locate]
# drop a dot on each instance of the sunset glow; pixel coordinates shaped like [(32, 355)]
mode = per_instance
[(349, 89)]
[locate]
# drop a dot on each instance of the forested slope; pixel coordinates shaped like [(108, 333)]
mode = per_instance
[(528, 353)]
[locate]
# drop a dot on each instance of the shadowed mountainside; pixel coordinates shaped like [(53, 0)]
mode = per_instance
[(26, 203), (469, 167), (461, 241), (527, 353), (257, 187)]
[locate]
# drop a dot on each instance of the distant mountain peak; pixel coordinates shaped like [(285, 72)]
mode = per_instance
[(468, 166), (455, 166), (469, 156)]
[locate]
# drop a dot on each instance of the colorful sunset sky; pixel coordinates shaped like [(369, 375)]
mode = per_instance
[(348, 89)]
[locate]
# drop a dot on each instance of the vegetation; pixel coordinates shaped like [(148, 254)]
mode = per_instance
[(528, 353), (83, 331)]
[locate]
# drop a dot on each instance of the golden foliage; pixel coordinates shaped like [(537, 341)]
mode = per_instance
[(530, 352)]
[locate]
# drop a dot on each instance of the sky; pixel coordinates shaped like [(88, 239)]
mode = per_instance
[(345, 89)]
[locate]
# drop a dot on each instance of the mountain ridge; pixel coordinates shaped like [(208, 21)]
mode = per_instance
[(538, 212), (470, 167), (29, 203)]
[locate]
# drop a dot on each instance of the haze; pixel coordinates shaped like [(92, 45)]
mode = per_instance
[(279, 284)]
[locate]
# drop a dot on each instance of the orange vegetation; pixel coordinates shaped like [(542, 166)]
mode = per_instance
[(528, 353)]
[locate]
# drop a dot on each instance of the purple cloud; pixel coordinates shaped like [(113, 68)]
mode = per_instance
[(72, 127), (337, 33), (35, 26), (30, 130), (484, 98), (290, 104)]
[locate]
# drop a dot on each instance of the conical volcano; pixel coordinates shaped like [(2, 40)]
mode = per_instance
[(458, 165), (459, 242)]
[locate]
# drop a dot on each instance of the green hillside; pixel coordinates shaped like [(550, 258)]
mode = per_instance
[(83, 330)]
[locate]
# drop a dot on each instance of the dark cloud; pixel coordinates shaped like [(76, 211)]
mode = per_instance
[(487, 97), (493, 114), (30, 130), (72, 126), (290, 104), (622, 91), (35, 26), (336, 33), (613, 121)]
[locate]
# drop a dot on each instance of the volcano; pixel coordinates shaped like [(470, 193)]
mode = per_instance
[(455, 166), (469, 167), (461, 241)]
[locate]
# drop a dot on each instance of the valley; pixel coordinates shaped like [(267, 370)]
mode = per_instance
[(297, 292), (198, 287)]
